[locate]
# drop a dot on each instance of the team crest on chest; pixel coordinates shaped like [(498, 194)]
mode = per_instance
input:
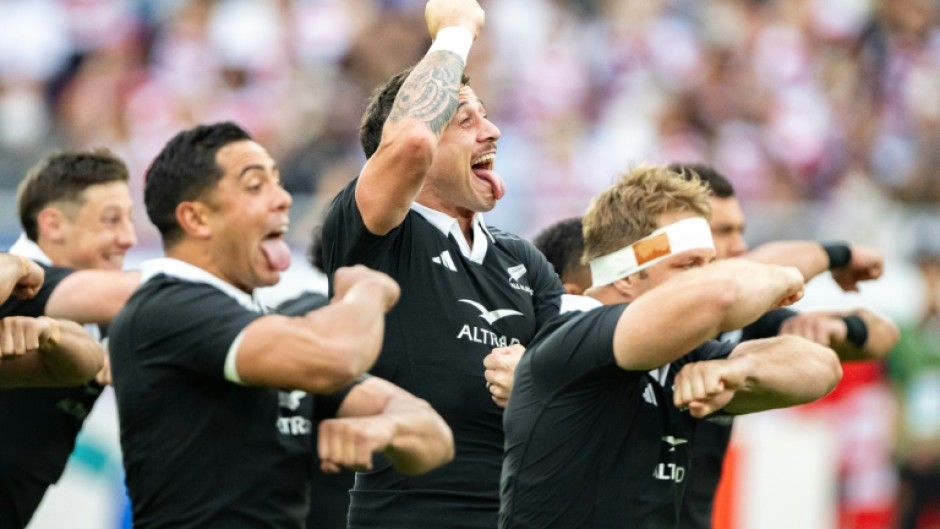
[(515, 277)]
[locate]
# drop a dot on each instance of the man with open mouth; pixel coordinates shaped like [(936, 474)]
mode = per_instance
[(415, 213), (217, 399)]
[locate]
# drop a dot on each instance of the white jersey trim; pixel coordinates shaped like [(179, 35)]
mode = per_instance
[(231, 369), (449, 226), (30, 250), (187, 272)]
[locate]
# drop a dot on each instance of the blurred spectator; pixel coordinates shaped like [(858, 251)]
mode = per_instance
[(786, 97), (817, 110), (914, 367)]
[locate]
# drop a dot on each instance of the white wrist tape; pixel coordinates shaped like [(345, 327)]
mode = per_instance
[(688, 234), (455, 39)]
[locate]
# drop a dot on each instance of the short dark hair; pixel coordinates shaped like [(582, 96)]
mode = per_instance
[(63, 177), (184, 170), (718, 185), (562, 243), (380, 105)]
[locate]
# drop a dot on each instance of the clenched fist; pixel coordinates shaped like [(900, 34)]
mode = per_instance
[(446, 13)]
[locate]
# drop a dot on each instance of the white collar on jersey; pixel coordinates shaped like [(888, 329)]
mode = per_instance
[(449, 226), (30, 250), (183, 270)]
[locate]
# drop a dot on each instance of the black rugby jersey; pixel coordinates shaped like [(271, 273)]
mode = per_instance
[(453, 311), (589, 444), (40, 425), (712, 438), (201, 451)]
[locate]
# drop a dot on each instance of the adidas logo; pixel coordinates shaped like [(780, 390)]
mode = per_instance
[(445, 260), (649, 395)]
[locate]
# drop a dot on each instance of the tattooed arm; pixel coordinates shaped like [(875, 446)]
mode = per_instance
[(422, 109)]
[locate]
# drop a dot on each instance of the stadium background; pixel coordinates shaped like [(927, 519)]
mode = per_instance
[(823, 113)]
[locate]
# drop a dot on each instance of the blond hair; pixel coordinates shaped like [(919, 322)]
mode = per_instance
[(630, 209)]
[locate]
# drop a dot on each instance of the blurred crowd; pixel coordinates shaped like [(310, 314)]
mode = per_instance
[(789, 98), (825, 114)]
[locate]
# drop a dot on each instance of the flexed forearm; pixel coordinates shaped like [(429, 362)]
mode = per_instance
[(75, 357), (696, 305), (422, 439), (854, 335), (379, 417), (46, 352), (782, 371), (754, 289)]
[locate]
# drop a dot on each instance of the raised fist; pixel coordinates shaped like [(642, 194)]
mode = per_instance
[(446, 13)]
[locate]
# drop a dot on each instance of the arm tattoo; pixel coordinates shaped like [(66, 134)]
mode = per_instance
[(430, 92)]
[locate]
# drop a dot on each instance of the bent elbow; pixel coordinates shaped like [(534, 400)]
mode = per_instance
[(343, 374), (725, 295), (437, 450), (450, 451), (328, 377), (836, 372), (444, 435), (831, 367), (891, 337)]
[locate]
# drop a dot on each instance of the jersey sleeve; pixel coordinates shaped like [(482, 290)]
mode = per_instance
[(302, 304), (768, 325), (581, 346), (36, 306), (546, 286), (327, 406), (711, 350), (188, 326)]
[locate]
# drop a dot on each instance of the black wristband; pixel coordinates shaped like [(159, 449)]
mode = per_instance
[(856, 331), (840, 254)]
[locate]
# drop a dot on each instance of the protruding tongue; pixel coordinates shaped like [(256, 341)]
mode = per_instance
[(495, 181), (277, 253)]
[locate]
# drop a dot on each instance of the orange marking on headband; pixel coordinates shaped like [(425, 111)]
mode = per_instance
[(651, 248)]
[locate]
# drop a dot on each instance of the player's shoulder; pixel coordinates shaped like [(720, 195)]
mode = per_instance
[(166, 305), (503, 235), (343, 200), (578, 320), (165, 291), (514, 243)]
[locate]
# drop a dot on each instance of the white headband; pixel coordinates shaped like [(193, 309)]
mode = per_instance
[(687, 234)]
